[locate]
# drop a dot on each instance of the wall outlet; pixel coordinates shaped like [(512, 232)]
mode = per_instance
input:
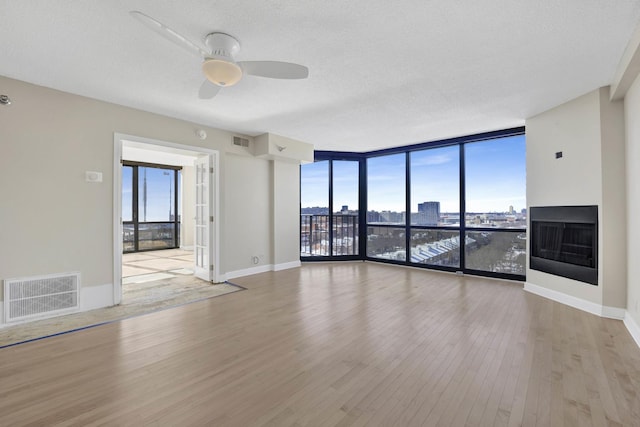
[(255, 259)]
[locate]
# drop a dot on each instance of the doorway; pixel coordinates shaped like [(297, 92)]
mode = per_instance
[(188, 199)]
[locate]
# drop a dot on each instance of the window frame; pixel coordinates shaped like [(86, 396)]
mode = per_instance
[(331, 157), (409, 228), (135, 220)]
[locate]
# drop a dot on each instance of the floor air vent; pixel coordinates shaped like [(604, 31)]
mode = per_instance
[(42, 296)]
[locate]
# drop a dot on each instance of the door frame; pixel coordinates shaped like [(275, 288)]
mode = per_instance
[(214, 194)]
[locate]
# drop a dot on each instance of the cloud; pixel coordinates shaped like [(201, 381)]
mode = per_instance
[(432, 160)]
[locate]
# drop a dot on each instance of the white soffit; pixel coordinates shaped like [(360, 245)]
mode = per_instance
[(382, 73), (158, 154)]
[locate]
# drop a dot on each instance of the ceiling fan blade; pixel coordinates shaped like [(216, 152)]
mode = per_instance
[(274, 69), (168, 33), (208, 90)]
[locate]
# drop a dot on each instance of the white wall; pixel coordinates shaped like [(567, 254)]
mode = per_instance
[(53, 221), (187, 223), (589, 131), (632, 113)]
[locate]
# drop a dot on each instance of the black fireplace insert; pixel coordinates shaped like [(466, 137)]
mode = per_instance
[(564, 241)]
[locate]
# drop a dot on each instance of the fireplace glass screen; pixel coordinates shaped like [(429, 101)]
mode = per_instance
[(565, 242)]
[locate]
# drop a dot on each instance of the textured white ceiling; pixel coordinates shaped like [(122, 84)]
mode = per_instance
[(382, 73)]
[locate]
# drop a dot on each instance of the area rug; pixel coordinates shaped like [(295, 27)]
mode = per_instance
[(141, 295)]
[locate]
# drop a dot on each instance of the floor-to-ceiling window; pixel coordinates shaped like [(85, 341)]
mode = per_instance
[(314, 214), (329, 209), (495, 215), (435, 206), (386, 207), (150, 206), (345, 190), (456, 205)]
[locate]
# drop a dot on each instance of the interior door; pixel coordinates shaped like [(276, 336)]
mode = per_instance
[(204, 217)]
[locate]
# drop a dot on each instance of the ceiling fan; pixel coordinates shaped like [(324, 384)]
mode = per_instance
[(219, 66)]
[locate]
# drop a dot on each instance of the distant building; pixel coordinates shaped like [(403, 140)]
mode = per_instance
[(392, 217), (430, 211), (373, 216), (316, 210), (511, 210)]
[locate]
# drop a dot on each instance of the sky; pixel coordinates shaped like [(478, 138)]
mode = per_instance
[(159, 194), (495, 179)]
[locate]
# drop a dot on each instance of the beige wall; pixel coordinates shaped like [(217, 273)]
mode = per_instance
[(574, 179), (247, 207), (286, 220), (589, 131), (632, 124), (53, 221), (613, 243)]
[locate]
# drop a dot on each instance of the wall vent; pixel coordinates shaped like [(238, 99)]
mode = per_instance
[(240, 142), (42, 296)]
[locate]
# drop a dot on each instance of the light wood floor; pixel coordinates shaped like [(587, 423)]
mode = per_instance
[(347, 344)]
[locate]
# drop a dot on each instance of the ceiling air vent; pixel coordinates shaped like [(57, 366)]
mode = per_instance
[(240, 142)]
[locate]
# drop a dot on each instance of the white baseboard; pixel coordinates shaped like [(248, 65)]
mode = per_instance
[(248, 271), (187, 248), (287, 265), (579, 303), (92, 297), (613, 312), (260, 269), (632, 327)]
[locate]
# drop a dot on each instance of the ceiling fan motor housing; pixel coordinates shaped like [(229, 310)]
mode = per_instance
[(222, 46)]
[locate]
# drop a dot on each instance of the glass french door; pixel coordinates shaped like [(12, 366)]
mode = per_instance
[(203, 235)]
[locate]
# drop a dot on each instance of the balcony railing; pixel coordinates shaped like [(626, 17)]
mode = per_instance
[(151, 236), (314, 235)]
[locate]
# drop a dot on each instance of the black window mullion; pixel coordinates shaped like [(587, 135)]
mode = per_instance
[(362, 216), (407, 208), (300, 224), (463, 212), (330, 217), (176, 222), (134, 205), (311, 235)]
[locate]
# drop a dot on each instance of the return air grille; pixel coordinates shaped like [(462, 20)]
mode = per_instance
[(241, 142), (42, 296)]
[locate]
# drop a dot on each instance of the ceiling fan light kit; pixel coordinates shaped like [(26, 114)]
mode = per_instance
[(221, 73), (219, 66)]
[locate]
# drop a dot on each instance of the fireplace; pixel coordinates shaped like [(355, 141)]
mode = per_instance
[(564, 241)]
